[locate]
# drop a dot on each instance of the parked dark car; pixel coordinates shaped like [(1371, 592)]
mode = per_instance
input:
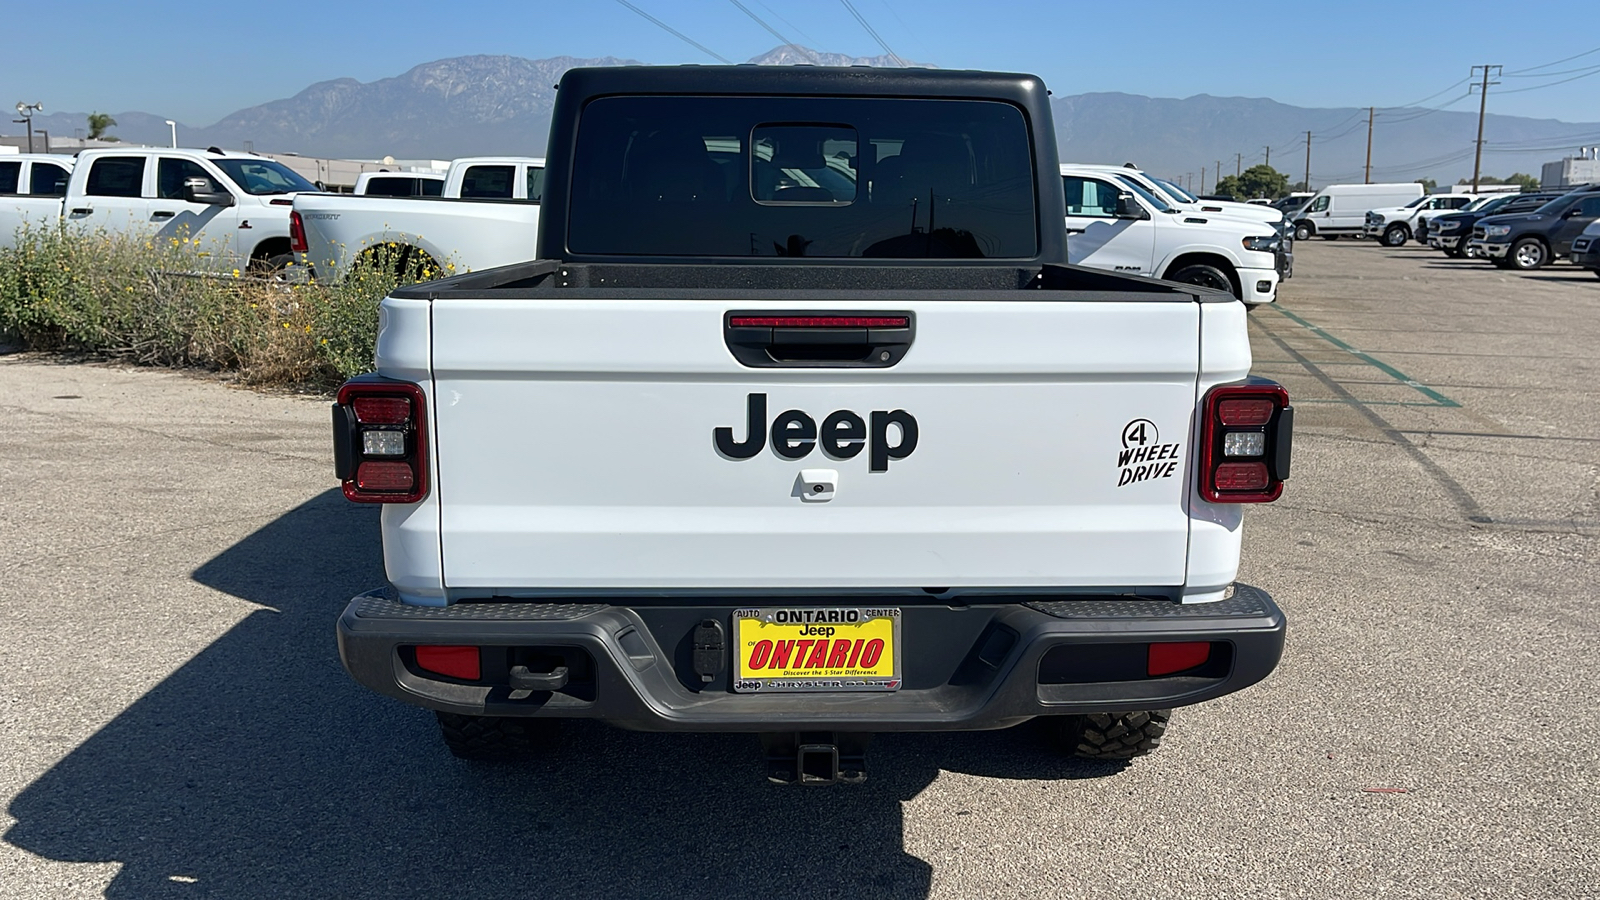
[(1530, 240), (1586, 248), (1451, 231)]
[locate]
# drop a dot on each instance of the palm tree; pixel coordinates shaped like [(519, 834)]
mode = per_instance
[(98, 123)]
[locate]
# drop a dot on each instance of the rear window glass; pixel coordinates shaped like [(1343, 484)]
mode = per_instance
[(10, 177), (431, 187), (488, 182), (48, 180), (834, 177), (116, 176), (535, 183), (391, 187)]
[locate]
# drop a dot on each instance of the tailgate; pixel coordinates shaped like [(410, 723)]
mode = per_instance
[(575, 449)]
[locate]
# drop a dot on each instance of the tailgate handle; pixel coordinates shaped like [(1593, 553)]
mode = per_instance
[(812, 338)]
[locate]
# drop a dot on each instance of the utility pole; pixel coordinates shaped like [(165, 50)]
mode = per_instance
[(1308, 160), (1269, 157), (1202, 179), (1370, 112), (1219, 175), (1483, 105), (1238, 165)]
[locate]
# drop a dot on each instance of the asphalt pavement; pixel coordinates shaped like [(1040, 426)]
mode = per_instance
[(174, 721)]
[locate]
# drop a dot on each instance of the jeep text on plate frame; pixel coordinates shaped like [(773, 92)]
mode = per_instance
[(809, 649)]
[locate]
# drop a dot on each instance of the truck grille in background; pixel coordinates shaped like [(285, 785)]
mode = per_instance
[(1374, 219), (1478, 234)]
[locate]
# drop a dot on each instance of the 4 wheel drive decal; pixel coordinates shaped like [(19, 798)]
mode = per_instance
[(1143, 457), (794, 435)]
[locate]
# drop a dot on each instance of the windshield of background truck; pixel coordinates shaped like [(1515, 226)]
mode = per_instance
[(1415, 203), (1148, 197), (800, 176), (263, 176), (1178, 194)]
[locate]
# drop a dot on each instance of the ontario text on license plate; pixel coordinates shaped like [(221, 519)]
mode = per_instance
[(816, 649)]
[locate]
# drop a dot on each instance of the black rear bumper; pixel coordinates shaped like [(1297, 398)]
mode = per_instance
[(965, 667)]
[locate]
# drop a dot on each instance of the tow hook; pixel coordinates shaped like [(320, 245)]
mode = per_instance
[(816, 757)]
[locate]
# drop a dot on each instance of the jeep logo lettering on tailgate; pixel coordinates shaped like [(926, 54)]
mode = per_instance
[(794, 434)]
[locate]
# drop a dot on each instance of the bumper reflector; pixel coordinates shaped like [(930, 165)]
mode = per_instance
[(1168, 658), (454, 662)]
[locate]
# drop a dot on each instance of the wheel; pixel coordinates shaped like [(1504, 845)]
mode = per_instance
[(1303, 231), (1457, 252), (1528, 253), (1395, 236), (1115, 735), (1501, 263), (277, 262), (1204, 276), (491, 737)]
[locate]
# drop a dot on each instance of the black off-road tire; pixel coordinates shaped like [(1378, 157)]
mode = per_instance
[(1458, 252), (495, 738), (1203, 275), (1115, 735)]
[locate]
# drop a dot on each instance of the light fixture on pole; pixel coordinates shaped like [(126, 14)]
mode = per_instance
[(174, 126), (26, 110)]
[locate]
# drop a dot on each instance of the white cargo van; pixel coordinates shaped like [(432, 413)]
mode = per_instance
[(1342, 208)]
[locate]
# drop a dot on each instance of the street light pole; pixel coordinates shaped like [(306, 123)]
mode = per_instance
[(174, 126), (26, 110)]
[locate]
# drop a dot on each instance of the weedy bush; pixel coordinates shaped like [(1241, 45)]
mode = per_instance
[(162, 301)]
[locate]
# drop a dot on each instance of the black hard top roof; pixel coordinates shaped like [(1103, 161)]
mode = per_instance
[(1023, 89)]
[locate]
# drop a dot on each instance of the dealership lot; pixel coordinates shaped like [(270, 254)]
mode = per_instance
[(174, 721)]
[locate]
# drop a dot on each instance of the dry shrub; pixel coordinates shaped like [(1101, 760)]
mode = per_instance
[(162, 302)]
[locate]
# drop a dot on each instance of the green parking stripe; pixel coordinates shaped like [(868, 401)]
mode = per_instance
[(1380, 365)]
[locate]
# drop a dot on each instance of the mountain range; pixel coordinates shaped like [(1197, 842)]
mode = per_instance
[(480, 105)]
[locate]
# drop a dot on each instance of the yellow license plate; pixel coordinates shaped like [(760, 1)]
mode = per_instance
[(816, 649)]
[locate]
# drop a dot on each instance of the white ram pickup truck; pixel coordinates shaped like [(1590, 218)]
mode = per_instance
[(236, 204), (31, 188), (487, 216), (1114, 223), (802, 426)]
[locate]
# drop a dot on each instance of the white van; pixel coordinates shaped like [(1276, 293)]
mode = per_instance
[(1342, 208)]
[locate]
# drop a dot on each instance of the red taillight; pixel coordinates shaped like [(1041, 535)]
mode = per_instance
[(385, 476), (1168, 658), (382, 410), (453, 662), (297, 234), (819, 322), (1245, 412), (380, 441), (1245, 435)]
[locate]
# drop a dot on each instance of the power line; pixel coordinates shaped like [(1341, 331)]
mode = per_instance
[(1554, 74), (874, 32), (678, 34), (1556, 63), (788, 24), (1429, 97), (1594, 71), (774, 32)]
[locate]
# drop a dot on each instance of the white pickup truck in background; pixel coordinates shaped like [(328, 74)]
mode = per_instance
[(1114, 223), (236, 204), (400, 184), (488, 216)]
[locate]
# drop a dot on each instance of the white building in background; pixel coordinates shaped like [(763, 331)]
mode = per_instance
[(1581, 169)]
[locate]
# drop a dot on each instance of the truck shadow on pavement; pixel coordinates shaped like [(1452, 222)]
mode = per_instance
[(259, 769)]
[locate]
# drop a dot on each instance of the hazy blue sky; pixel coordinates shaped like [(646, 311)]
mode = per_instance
[(196, 62)]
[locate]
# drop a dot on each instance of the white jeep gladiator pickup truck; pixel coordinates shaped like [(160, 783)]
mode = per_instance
[(487, 216), (236, 204), (800, 425)]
